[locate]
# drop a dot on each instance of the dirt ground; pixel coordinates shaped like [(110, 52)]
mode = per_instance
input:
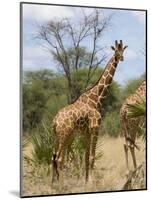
[(109, 173)]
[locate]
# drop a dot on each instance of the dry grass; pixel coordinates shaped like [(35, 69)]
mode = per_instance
[(109, 173)]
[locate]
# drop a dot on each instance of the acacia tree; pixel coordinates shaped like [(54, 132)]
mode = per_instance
[(67, 40)]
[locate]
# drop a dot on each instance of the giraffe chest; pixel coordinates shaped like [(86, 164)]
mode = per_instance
[(81, 122), (80, 118), (70, 119)]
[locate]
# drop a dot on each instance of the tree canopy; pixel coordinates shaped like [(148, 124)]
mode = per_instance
[(67, 42)]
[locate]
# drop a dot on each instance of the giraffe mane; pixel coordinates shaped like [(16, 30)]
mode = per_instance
[(87, 89), (97, 80)]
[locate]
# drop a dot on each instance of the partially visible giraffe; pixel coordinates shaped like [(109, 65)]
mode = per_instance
[(131, 126), (84, 115)]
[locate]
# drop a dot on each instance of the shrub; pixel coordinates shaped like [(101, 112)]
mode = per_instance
[(111, 124), (138, 109)]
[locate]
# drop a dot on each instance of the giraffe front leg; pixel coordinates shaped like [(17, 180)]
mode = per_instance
[(132, 149), (94, 138), (126, 155), (87, 155), (95, 122)]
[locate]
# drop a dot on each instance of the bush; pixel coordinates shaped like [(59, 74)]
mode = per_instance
[(111, 124), (138, 110), (43, 94), (34, 105)]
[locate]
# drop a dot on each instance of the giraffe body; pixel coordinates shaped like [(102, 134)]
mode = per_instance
[(131, 126), (84, 115), (75, 118)]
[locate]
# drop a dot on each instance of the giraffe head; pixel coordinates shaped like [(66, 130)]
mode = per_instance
[(119, 49)]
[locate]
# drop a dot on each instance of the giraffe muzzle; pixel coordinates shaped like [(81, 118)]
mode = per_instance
[(122, 58)]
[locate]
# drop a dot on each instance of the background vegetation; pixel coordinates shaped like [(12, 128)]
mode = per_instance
[(45, 92)]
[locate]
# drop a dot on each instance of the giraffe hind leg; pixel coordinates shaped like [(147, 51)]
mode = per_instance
[(60, 157), (56, 163), (132, 149), (126, 155)]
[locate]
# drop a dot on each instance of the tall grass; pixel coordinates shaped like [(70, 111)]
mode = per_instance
[(42, 150), (42, 147), (76, 153)]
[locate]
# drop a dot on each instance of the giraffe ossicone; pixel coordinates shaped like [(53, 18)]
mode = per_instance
[(84, 115)]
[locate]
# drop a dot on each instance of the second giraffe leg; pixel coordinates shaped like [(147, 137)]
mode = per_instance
[(132, 149), (126, 145), (60, 161), (87, 155), (126, 155)]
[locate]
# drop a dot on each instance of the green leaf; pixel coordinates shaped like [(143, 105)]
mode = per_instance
[(138, 109)]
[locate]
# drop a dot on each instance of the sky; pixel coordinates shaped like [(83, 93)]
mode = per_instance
[(127, 25)]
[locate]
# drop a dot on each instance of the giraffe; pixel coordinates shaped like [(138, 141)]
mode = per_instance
[(84, 115), (130, 126)]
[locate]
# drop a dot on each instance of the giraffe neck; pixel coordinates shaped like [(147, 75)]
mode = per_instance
[(107, 77), (97, 93)]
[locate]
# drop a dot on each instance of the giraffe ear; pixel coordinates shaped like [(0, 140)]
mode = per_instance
[(125, 47), (112, 48)]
